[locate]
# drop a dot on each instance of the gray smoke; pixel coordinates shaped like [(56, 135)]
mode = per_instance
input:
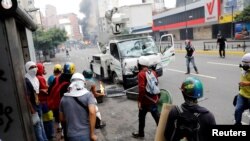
[(89, 23)]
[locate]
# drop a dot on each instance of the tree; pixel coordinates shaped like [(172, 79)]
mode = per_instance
[(244, 15), (49, 39), (57, 36)]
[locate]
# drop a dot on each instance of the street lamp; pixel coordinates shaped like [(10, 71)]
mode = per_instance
[(186, 18), (232, 6), (40, 15)]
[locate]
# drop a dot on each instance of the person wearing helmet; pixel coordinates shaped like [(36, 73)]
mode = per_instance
[(47, 115), (192, 90), (190, 56), (58, 88), (57, 71), (243, 98), (90, 85), (146, 102), (77, 109), (222, 44)]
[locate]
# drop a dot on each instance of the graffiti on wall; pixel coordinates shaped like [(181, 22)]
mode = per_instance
[(1, 76), (5, 118)]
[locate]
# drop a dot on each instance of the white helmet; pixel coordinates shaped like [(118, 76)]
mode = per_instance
[(246, 58), (77, 76), (143, 60)]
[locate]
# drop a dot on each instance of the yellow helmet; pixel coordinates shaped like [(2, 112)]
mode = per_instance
[(57, 68), (69, 68)]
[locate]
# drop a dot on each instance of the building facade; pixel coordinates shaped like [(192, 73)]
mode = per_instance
[(50, 17), (70, 23), (199, 19)]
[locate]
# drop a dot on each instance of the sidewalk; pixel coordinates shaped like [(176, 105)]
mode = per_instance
[(234, 47), (213, 52)]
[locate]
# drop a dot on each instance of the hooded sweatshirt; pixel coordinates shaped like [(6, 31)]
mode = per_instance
[(31, 75), (42, 81)]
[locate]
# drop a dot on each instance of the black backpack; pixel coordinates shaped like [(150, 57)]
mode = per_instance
[(186, 126)]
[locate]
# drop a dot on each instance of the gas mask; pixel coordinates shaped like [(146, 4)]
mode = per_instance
[(244, 66)]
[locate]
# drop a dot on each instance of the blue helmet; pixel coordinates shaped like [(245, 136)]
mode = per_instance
[(192, 87), (69, 68)]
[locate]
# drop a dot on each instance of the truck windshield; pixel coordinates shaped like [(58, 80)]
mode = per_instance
[(137, 47)]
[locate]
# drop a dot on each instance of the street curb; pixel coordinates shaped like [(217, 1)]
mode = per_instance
[(236, 53)]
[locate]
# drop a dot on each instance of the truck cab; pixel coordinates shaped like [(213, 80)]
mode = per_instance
[(120, 62)]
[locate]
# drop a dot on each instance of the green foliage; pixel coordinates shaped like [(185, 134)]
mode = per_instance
[(244, 15), (49, 39)]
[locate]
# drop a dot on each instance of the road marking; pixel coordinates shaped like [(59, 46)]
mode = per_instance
[(201, 75), (224, 64)]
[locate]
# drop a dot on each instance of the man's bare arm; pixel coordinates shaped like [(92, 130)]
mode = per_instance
[(92, 120)]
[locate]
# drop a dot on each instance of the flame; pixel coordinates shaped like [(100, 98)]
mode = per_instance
[(101, 88)]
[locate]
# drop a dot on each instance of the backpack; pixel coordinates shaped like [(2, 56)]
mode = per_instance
[(152, 83), (186, 126), (54, 97)]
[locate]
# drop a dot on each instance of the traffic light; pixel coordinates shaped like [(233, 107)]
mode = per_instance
[(7, 7)]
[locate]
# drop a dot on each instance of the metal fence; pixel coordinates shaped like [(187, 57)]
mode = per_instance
[(230, 45)]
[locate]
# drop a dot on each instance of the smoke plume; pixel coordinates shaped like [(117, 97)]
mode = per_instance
[(89, 23)]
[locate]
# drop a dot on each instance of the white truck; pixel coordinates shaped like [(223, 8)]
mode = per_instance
[(119, 58)]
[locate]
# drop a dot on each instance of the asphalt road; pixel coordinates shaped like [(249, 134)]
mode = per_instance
[(219, 76)]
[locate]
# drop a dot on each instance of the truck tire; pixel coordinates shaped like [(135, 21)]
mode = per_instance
[(126, 86), (115, 79), (109, 74)]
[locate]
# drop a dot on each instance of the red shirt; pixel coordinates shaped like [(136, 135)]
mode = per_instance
[(142, 82)]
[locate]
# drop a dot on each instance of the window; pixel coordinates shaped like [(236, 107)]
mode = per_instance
[(114, 51), (137, 47)]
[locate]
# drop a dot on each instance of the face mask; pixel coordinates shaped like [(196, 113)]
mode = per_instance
[(244, 67), (32, 72)]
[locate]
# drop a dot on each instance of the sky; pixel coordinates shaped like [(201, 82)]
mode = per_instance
[(69, 6)]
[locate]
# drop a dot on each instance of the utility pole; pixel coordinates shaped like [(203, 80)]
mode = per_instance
[(186, 18), (232, 6), (232, 24)]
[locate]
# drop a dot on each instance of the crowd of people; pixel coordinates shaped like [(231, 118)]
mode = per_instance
[(67, 102)]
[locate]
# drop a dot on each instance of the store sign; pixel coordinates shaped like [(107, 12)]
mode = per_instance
[(211, 10)]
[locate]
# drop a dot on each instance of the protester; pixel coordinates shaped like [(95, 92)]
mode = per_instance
[(67, 53), (32, 85), (91, 86), (222, 44), (190, 56), (57, 71), (47, 115), (192, 90), (146, 102), (80, 122), (58, 88), (243, 99)]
